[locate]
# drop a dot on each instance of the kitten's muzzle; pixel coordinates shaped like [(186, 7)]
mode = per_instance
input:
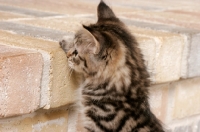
[(71, 53)]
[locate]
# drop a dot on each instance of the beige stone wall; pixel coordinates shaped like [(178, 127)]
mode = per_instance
[(49, 121), (36, 86), (177, 104)]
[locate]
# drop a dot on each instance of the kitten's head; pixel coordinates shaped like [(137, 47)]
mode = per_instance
[(99, 47)]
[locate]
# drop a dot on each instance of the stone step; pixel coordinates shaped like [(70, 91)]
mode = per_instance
[(56, 89), (20, 74), (168, 33)]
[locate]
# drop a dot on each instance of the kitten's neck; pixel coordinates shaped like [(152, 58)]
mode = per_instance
[(117, 78)]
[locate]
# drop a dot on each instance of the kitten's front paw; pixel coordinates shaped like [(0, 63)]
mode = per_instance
[(63, 44), (66, 42)]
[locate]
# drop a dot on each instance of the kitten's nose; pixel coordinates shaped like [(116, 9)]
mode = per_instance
[(70, 53)]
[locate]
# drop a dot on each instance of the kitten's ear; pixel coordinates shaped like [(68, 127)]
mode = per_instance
[(105, 12), (94, 46)]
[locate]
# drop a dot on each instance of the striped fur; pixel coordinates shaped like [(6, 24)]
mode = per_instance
[(114, 92)]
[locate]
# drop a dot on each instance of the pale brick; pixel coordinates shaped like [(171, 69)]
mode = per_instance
[(159, 26), (190, 58), (168, 130), (189, 124), (32, 31), (147, 46), (66, 24), (89, 6), (9, 16), (183, 99), (186, 98), (63, 6), (194, 57), (168, 18), (51, 121), (169, 56), (152, 5), (183, 129), (176, 100), (197, 127), (158, 100), (57, 89), (156, 64), (163, 53), (163, 44), (155, 45), (20, 78), (25, 11)]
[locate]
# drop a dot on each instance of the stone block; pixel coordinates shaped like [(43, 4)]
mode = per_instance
[(162, 52), (186, 98), (187, 20), (176, 100), (182, 95), (198, 127), (194, 56), (20, 78), (27, 30), (190, 57), (187, 124), (183, 129), (57, 88), (168, 130), (25, 11), (41, 121), (158, 100), (69, 7), (66, 24), (9, 16)]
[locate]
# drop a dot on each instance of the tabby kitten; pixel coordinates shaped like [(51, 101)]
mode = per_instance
[(114, 91)]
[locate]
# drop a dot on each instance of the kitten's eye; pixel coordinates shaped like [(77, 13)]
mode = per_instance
[(104, 57), (75, 52)]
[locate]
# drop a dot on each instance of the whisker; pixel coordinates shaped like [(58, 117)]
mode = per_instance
[(69, 68), (70, 74)]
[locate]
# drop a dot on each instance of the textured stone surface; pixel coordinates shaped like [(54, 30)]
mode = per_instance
[(176, 100), (176, 104), (57, 89), (63, 6), (159, 100), (154, 43), (159, 26), (179, 19), (183, 129), (26, 11), (194, 57), (190, 57), (187, 97), (32, 31), (198, 127), (161, 53), (168, 33), (66, 24), (20, 78), (89, 6), (8, 16), (51, 121), (189, 124)]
